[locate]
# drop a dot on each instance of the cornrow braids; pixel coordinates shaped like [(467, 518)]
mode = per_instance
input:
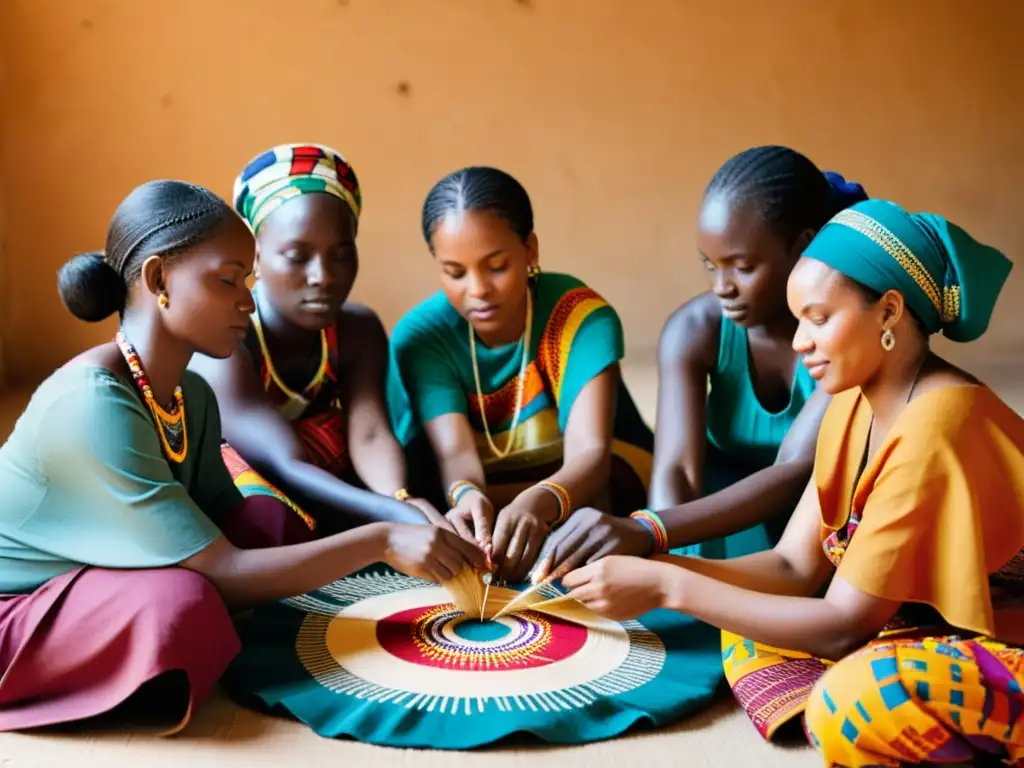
[(478, 188), (160, 217), (790, 192)]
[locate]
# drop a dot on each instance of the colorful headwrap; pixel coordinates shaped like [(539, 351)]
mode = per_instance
[(290, 170), (949, 280)]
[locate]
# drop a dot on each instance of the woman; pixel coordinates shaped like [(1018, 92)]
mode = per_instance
[(120, 525), (915, 651), (738, 413), (303, 394), (513, 377)]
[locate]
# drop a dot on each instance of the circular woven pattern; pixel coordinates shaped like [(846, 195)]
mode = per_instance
[(388, 659)]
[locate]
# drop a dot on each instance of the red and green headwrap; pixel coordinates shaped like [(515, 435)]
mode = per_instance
[(290, 170)]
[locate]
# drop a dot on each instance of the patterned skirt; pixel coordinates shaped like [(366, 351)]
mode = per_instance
[(899, 700)]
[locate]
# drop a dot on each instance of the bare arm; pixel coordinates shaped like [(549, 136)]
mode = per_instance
[(269, 444), (587, 449), (376, 455), (759, 497), (687, 354), (764, 597), (250, 576)]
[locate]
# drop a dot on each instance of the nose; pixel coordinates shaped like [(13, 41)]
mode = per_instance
[(802, 343), (723, 286), (318, 272), (479, 287), (247, 304)]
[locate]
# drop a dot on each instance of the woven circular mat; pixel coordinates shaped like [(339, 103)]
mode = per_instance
[(387, 659)]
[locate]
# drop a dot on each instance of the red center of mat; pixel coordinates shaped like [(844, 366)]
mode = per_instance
[(428, 636)]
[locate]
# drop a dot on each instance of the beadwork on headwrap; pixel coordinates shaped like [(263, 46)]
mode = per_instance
[(290, 170), (950, 281)]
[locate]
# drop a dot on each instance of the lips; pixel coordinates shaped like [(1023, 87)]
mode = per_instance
[(815, 368), (320, 305), (483, 313), (734, 309)]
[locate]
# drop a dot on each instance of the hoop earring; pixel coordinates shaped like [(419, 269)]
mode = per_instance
[(888, 340), (163, 301), (533, 271)]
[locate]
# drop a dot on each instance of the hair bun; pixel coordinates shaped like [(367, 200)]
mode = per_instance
[(844, 193), (90, 288)]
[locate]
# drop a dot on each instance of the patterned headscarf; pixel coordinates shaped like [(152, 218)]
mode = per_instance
[(949, 280), (290, 170)]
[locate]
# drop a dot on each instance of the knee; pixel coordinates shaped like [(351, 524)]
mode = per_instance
[(180, 596)]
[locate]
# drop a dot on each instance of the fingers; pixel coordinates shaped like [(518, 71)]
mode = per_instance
[(533, 547), (481, 524), (580, 577), (503, 531), (460, 525), (466, 552), (514, 554)]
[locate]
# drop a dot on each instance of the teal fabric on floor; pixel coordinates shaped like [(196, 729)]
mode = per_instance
[(387, 659)]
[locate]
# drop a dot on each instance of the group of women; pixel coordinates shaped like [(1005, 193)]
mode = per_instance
[(233, 446)]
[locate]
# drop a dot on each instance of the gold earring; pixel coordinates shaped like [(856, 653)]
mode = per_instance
[(533, 271), (163, 301), (888, 340)]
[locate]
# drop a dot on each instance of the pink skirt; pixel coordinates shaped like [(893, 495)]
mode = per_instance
[(85, 642)]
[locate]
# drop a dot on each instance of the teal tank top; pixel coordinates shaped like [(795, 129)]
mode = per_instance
[(737, 424)]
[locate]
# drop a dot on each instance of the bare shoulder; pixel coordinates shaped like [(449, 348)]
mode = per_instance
[(691, 332), (360, 327)]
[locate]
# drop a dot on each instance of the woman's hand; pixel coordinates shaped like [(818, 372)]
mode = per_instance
[(473, 518), (430, 513), (429, 552), (519, 536), (621, 587), (588, 536)]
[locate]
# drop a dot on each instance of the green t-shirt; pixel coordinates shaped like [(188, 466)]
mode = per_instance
[(84, 481)]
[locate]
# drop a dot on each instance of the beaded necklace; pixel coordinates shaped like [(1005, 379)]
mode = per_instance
[(170, 425)]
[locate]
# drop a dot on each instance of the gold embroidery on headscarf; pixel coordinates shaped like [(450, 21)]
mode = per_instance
[(950, 303), (895, 247)]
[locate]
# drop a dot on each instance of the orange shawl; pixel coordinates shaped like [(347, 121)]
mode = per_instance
[(941, 504)]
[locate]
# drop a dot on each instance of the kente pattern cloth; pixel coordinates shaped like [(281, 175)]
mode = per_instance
[(289, 170), (575, 337), (252, 484), (912, 700), (935, 521), (388, 659)]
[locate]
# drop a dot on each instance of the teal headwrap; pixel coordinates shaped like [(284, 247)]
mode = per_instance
[(948, 279)]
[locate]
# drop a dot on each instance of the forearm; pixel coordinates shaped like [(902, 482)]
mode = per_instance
[(807, 624), (247, 577), (765, 572), (379, 461), (312, 484), (671, 487), (586, 476), (759, 498), (463, 466)]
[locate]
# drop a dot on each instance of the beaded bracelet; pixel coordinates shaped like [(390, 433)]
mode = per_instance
[(564, 500), (654, 525), (402, 494), (458, 489)]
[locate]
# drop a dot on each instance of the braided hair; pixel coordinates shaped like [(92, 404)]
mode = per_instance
[(160, 217), (478, 188), (789, 191)]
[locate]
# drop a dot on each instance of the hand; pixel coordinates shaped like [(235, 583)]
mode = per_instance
[(473, 518), (518, 537), (430, 513), (588, 536), (429, 552), (622, 587)]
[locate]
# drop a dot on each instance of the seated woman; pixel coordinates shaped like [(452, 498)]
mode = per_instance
[(120, 526), (916, 511), (303, 394), (738, 413), (513, 376)]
